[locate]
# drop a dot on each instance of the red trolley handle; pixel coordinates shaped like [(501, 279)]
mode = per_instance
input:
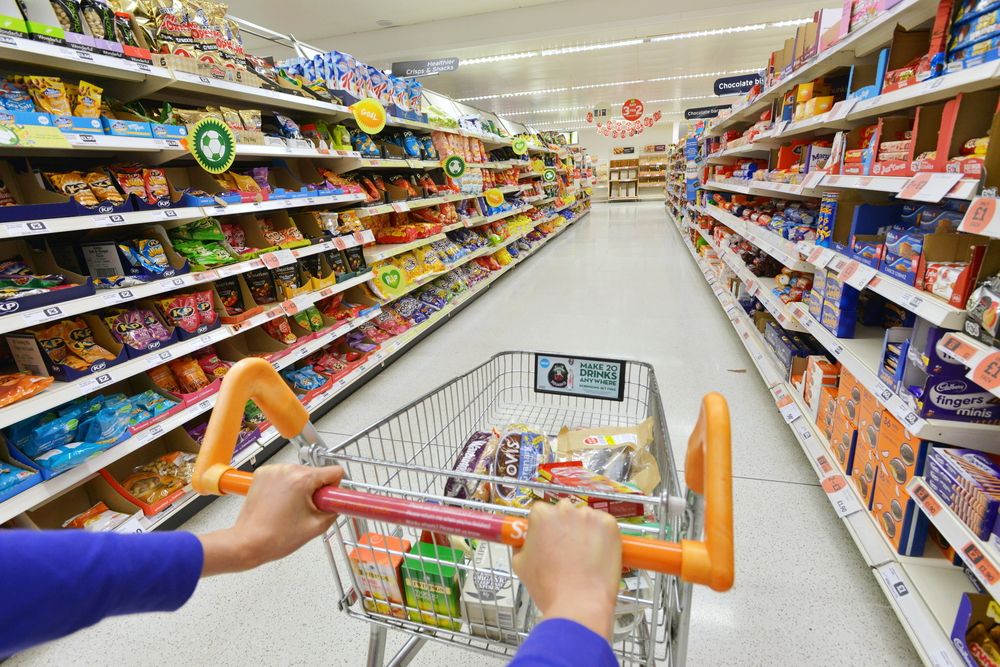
[(708, 471)]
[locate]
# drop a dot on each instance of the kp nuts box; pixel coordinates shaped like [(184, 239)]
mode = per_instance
[(490, 594), (843, 440), (864, 472), (433, 581), (899, 450), (870, 415), (376, 564), (899, 517), (827, 409), (849, 393)]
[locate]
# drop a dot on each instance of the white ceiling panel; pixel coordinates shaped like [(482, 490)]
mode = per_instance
[(442, 28)]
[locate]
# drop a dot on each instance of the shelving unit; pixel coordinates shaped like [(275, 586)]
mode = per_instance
[(623, 180), (924, 591), (130, 81)]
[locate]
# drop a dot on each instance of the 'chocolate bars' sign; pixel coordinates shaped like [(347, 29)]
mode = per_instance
[(700, 113)]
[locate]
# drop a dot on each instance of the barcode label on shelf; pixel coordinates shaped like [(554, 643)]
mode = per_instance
[(841, 497), (133, 524), (118, 297), (959, 349), (92, 383), (160, 357), (42, 315), (975, 557), (150, 434)]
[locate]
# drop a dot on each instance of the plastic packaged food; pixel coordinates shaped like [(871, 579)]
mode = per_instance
[(49, 94), (286, 281), (190, 377), (230, 294), (310, 319), (520, 450), (11, 476), (96, 519), (18, 386), (102, 187), (164, 378), (600, 450), (261, 286), (88, 101), (279, 330), (129, 179), (476, 457), (149, 487), (181, 311), (67, 456), (72, 184), (211, 364)]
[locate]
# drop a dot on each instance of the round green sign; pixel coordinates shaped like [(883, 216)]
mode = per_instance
[(520, 146), (212, 144), (453, 165), (549, 175)]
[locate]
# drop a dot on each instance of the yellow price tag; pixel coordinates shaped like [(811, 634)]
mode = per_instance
[(493, 197), (369, 114)]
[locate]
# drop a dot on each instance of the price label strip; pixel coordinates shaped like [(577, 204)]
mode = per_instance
[(929, 187)]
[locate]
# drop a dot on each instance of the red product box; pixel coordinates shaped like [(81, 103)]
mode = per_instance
[(573, 474)]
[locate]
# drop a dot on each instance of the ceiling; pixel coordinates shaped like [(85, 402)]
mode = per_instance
[(467, 30)]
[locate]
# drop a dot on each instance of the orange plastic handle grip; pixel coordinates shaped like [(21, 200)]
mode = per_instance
[(709, 471), (252, 378)]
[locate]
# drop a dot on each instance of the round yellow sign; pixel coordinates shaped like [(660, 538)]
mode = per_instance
[(493, 197), (369, 114)]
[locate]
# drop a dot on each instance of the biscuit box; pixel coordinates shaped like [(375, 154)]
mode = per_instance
[(849, 392), (843, 439), (897, 515), (864, 472), (825, 414), (376, 563), (900, 450), (820, 374), (432, 581)]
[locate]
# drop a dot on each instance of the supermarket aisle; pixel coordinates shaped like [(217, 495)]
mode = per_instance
[(618, 284)]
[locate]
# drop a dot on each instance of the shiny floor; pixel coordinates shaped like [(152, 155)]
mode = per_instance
[(619, 283)]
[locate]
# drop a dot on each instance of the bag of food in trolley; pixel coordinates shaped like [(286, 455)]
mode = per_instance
[(520, 450), (620, 453)]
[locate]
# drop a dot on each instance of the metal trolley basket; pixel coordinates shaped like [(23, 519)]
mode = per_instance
[(393, 497)]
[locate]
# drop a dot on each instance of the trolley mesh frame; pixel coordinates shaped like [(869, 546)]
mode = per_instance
[(410, 455)]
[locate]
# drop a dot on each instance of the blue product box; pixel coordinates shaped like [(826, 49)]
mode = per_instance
[(974, 610), (892, 364), (826, 219), (903, 248), (873, 90), (78, 125), (923, 352), (127, 128), (871, 307), (838, 321), (161, 131), (30, 475), (867, 249), (955, 399), (874, 219)]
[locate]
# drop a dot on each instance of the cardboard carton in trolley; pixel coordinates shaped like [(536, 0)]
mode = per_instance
[(432, 581), (490, 594), (376, 563)]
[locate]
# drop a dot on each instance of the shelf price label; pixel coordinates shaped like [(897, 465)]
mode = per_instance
[(927, 501), (982, 218), (956, 347), (987, 372), (929, 187), (273, 260), (840, 496), (856, 274), (975, 557)]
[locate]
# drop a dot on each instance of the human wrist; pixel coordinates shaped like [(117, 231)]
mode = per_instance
[(594, 615), (229, 550)]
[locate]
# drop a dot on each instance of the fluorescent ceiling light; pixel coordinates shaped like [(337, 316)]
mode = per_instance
[(603, 85), (673, 37)]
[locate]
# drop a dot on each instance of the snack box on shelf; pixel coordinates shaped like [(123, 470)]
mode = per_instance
[(27, 476), (39, 203), (30, 354)]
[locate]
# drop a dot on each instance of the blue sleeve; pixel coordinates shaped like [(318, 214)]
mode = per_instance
[(57, 582), (558, 642)]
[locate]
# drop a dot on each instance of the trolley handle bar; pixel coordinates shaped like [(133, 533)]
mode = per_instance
[(709, 472)]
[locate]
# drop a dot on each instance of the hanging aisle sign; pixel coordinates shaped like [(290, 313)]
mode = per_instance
[(410, 68), (632, 110), (705, 112), (736, 85)]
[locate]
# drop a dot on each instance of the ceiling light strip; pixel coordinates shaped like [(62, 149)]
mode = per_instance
[(673, 37), (544, 91)]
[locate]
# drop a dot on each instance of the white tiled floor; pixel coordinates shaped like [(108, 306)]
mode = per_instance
[(617, 284)]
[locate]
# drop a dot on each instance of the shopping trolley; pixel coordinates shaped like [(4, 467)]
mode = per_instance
[(393, 498)]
